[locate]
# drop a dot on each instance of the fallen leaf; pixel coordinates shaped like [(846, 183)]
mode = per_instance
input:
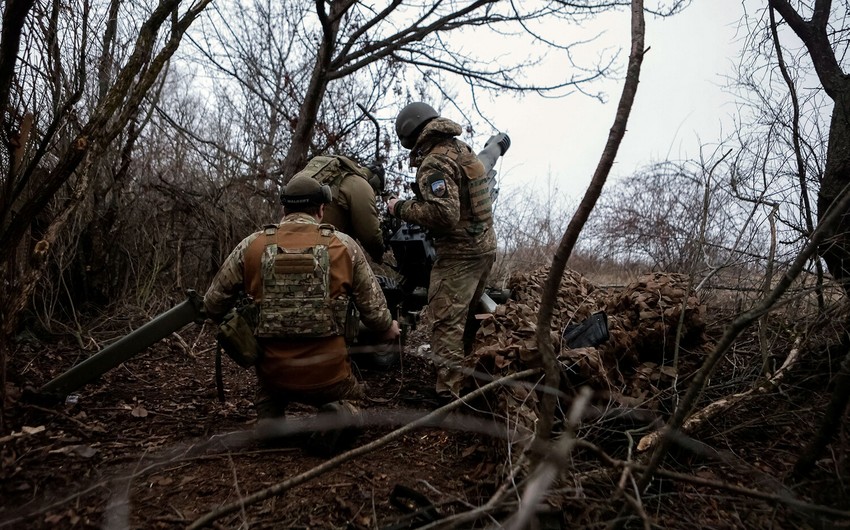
[(25, 431), (165, 481), (469, 450), (139, 412), (669, 371)]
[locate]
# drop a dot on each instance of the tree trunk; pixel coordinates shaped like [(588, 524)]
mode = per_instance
[(836, 248), (568, 241), (831, 421), (816, 34), (108, 119), (296, 157)]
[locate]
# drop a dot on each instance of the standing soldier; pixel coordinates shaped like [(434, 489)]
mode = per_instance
[(304, 276), (452, 200), (353, 209)]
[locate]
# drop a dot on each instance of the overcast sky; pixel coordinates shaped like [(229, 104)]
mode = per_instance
[(680, 103)]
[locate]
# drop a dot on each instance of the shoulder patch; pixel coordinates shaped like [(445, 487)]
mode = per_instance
[(437, 183)]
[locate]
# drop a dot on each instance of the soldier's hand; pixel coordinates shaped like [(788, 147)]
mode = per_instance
[(391, 205), (392, 333)]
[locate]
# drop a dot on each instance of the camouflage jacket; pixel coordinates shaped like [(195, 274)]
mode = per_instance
[(442, 199), (310, 363)]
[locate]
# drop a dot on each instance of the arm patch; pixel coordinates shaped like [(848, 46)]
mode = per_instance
[(437, 183)]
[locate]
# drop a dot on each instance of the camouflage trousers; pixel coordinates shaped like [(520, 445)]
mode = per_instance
[(456, 286), (271, 403)]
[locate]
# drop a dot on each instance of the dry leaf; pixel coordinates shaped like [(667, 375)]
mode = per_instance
[(500, 361), (165, 481), (469, 450), (669, 371)]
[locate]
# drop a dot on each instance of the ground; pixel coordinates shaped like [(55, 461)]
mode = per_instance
[(149, 445)]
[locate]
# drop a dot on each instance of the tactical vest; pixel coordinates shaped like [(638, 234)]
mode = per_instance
[(331, 170), (476, 193), (296, 298)]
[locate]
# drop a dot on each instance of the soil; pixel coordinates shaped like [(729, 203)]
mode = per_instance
[(149, 445)]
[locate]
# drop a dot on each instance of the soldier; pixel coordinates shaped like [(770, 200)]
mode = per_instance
[(353, 209), (452, 200), (305, 276)]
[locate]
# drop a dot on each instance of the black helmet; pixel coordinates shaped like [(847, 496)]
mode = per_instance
[(303, 190), (410, 121)]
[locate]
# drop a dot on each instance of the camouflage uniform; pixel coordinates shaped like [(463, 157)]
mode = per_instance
[(307, 370), (465, 243)]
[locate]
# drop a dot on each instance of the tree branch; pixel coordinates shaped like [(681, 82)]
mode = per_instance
[(428, 419), (568, 241)]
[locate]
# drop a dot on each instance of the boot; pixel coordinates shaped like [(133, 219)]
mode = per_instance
[(333, 441)]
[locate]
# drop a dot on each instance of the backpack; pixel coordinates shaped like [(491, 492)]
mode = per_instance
[(478, 184), (332, 169), (235, 337)]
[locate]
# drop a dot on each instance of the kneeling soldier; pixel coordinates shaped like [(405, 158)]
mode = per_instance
[(306, 278)]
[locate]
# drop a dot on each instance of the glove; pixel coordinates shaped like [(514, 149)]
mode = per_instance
[(396, 207)]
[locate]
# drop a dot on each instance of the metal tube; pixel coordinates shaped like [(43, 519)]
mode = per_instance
[(125, 348)]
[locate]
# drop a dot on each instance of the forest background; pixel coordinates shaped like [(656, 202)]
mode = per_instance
[(142, 141)]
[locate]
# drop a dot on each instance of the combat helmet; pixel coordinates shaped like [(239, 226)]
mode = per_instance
[(304, 190), (410, 121)]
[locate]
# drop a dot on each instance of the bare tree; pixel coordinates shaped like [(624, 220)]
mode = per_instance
[(259, 55), (14, 15), (653, 217), (50, 85), (392, 43), (822, 33), (529, 228)]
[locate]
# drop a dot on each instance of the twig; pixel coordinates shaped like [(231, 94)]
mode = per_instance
[(281, 487), (782, 498), (634, 502), (555, 460), (713, 409), (459, 519), (236, 487), (75, 421)]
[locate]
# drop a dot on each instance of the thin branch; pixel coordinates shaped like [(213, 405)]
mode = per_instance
[(565, 247), (284, 486), (777, 498)]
